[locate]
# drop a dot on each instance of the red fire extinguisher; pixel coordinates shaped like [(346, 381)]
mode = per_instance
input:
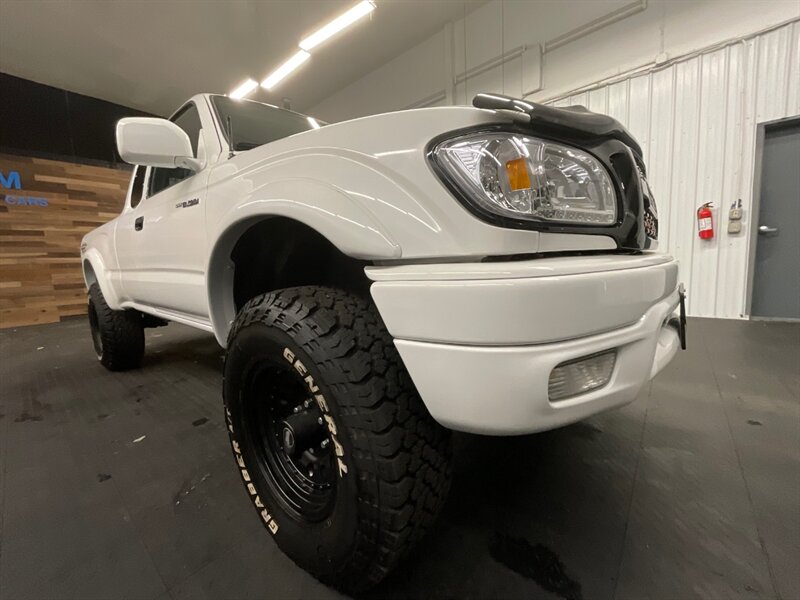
[(705, 222)]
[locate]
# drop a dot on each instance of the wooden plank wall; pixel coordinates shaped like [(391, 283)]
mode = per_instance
[(41, 280)]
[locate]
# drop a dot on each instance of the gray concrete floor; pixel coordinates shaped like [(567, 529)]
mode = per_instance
[(692, 491)]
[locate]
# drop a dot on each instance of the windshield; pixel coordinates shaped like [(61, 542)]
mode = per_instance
[(255, 124)]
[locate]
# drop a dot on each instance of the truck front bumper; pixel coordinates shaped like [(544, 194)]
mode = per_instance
[(481, 340)]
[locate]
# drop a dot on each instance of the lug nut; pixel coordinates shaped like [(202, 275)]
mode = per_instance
[(320, 420), (325, 444)]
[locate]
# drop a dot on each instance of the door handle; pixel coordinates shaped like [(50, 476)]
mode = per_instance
[(764, 229), (138, 223)]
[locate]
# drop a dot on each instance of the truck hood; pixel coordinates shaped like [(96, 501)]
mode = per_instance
[(380, 134)]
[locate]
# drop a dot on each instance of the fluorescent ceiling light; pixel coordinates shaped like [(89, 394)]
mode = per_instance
[(244, 89), (290, 65), (360, 10)]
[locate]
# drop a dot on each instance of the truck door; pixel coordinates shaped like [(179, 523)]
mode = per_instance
[(161, 243)]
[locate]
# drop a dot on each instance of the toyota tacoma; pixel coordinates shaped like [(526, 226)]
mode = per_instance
[(379, 282)]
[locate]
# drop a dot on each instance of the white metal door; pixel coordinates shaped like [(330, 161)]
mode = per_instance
[(161, 247), (161, 242)]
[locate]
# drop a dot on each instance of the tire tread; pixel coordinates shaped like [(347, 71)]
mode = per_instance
[(402, 455), (122, 332)]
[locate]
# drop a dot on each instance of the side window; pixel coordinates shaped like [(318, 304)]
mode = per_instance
[(138, 186), (187, 119)]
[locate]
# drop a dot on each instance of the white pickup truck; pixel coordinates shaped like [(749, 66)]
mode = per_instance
[(378, 282)]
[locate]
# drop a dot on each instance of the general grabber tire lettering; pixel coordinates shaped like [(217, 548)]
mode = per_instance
[(117, 335), (342, 461)]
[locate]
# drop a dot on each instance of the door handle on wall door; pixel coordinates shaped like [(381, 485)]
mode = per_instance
[(764, 229), (138, 223)]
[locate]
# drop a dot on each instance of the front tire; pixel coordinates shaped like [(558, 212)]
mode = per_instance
[(342, 461), (117, 335)]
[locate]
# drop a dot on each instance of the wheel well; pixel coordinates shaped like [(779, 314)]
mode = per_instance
[(279, 252)]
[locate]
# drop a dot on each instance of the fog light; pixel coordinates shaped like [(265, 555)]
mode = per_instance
[(582, 375)]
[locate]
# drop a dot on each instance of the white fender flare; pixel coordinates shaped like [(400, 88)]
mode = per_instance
[(331, 212), (96, 272)]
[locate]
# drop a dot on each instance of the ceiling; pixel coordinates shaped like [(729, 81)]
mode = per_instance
[(153, 55)]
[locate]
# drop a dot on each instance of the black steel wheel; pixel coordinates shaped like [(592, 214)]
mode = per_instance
[(291, 443), (338, 454)]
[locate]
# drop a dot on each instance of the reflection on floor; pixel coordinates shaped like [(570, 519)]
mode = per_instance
[(122, 485)]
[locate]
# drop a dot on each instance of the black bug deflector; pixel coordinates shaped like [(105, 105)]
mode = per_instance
[(579, 122)]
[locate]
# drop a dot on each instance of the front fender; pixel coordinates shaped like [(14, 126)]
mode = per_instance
[(325, 208), (331, 211), (95, 271)]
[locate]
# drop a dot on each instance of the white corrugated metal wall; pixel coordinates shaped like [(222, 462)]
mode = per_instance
[(696, 120)]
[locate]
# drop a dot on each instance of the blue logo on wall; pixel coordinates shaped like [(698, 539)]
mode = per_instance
[(12, 181)]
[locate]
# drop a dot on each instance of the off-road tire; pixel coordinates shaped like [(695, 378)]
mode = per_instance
[(395, 468), (117, 335)]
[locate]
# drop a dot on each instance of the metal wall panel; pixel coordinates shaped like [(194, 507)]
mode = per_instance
[(696, 120)]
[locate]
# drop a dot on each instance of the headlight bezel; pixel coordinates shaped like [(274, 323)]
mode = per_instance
[(618, 159)]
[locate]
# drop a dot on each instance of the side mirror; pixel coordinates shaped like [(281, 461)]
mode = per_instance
[(155, 143)]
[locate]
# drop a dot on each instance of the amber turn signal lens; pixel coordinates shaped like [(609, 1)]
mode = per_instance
[(517, 171)]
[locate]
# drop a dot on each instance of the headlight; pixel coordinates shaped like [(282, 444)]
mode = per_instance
[(520, 177)]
